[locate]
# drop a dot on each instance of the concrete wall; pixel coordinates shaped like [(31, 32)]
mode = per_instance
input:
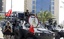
[(56, 10), (28, 5), (61, 11)]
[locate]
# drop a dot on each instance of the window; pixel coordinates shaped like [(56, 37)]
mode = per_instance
[(33, 2), (52, 0), (33, 11), (33, 7), (52, 3), (52, 7)]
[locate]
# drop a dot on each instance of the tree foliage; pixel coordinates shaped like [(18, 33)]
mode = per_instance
[(2, 17), (44, 16)]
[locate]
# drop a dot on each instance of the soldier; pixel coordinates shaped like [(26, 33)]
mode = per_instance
[(55, 23), (26, 15), (7, 31), (15, 30)]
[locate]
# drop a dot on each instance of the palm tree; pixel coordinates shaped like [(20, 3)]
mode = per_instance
[(44, 16)]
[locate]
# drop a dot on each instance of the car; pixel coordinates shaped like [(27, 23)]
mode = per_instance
[(41, 32), (45, 31), (59, 31)]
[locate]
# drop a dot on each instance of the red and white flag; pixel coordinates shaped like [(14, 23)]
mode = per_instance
[(9, 13)]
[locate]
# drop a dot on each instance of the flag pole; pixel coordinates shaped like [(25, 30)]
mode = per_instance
[(11, 8), (11, 4)]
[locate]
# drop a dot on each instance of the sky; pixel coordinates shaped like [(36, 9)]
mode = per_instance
[(17, 5)]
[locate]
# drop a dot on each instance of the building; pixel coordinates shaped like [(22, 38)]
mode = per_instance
[(59, 10), (55, 6), (28, 5), (35, 6), (52, 6), (44, 5), (2, 5)]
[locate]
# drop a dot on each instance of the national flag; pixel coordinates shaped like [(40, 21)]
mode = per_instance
[(9, 13), (31, 29)]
